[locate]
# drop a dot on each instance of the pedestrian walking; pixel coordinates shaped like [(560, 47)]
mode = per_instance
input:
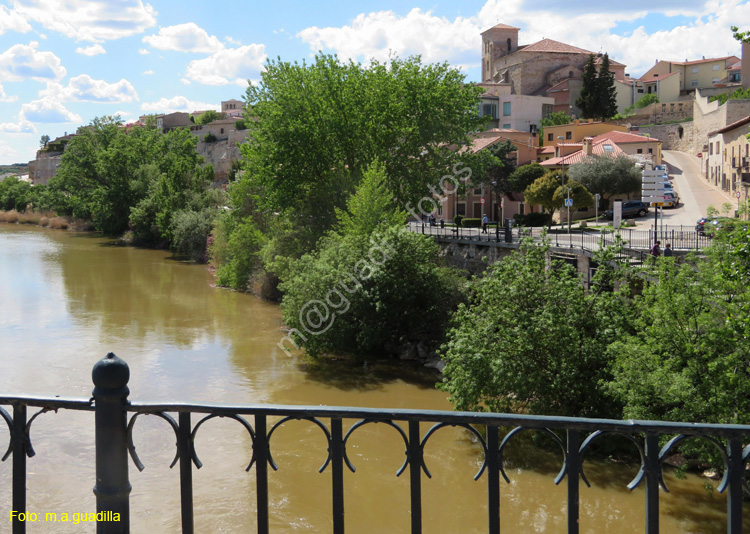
[(668, 250), (485, 220)]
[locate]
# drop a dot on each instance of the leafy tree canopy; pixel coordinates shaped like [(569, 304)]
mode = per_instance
[(314, 129), (542, 191), (607, 176), (598, 98), (530, 341), (209, 116)]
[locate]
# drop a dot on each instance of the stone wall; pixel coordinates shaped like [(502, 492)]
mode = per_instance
[(672, 136), (43, 168)]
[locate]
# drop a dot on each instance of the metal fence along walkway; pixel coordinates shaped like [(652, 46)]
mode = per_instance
[(115, 416), (681, 238)]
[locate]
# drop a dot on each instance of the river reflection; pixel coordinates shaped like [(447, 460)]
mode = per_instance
[(67, 299)]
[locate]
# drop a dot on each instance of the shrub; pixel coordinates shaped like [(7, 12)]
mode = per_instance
[(190, 231), (11, 216), (44, 221), (533, 219), (457, 220), (58, 222), (209, 138), (237, 253), (471, 222), (240, 124)]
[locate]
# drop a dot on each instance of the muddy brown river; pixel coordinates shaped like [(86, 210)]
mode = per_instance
[(66, 299)]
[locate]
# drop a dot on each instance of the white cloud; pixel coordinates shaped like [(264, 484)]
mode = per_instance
[(176, 103), (122, 113), (187, 37), (84, 88), (6, 151), (6, 98), (143, 52), (23, 62), (185, 81), (93, 50), (23, 127), (47, 110), (148, 72), (231, 40), (378, 34), (588, 26), (231, 65), (89, 20), (11, 20)]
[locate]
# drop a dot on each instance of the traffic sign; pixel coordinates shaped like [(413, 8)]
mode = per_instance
[(482, 201), (700, 154), (738, 194), (568, 202)]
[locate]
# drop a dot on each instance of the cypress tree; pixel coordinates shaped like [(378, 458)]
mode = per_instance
[(587, 101), (606, 93)]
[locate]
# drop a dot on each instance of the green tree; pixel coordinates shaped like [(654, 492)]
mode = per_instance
[(372, 286), (530, 341), (581, 196), (209, 116), (43, 141), (687, 358), (542, 191), (598, 98), (526, 175), (314, 129), (607, 176), (553, 119), (587, 101), (606, 92)]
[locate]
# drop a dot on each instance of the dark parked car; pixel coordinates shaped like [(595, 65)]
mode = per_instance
[(631, 208), (711, 226)]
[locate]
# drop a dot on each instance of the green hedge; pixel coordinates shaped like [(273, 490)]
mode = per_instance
[(471, 223)]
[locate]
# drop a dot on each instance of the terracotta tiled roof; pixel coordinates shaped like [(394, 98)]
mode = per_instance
[(658, 78), (709, 60), (501, 27), (736, 66), (730, 127), (549, 45), (547, 150), (623, 138), (604, 147)]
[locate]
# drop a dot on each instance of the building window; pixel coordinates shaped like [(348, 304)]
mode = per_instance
[(715, 67), (639, 151), (547, 110), (568, 135), (489, 109), (549, 137), (650, 150), (461, 208), (521, 208), (506, 109), (694, 83), (506, 126), (695, 70)]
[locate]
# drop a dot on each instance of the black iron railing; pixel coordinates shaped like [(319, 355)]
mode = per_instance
[(680, 238), (115, 418)]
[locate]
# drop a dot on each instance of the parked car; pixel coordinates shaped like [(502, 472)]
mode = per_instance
[(631, 208), (672, 199), (710, 226)]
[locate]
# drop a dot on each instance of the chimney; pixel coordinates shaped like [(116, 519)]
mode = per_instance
[(588, 148)]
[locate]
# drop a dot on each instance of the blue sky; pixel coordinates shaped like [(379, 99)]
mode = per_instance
[(62, 63)]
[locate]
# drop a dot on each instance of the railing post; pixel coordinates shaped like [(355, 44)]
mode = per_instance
[(110, 376), (653, 473), (734, 493), (415, 474), (184, 446), (18, 441), (337, 474), (573, 463)]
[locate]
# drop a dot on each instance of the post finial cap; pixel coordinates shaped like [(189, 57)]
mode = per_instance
[(110, 372)]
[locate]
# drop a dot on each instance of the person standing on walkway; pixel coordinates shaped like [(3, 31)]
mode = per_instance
[(668, 250), (485, 220), (656, 249)]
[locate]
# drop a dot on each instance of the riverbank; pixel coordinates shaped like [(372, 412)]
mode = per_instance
[(46, 219)]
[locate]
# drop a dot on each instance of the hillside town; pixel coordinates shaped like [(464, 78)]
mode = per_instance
[(526, 83)]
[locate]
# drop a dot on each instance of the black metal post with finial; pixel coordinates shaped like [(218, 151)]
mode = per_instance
[(112, 489)]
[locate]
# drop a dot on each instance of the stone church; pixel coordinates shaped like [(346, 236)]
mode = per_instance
[(545, 68)]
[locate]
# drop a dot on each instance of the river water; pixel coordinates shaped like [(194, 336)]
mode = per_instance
[(66, 299)]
